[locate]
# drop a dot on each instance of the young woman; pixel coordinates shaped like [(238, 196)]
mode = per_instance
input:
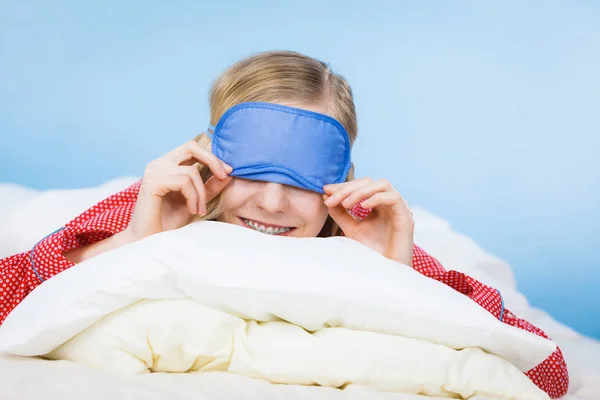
[(277, 161)]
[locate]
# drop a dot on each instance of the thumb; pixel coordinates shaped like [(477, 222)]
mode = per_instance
[(214, 186), (344, 220)]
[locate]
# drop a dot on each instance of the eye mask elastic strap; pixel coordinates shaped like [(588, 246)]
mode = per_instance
[(210, 131)]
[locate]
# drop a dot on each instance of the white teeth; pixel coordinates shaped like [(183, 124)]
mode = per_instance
[(269, 231)]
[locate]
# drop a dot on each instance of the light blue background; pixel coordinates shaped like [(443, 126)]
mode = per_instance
[(485, 114)]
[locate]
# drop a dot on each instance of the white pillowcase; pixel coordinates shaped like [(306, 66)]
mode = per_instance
[(313, 283)]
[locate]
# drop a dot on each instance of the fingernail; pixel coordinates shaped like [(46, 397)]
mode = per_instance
[(328, 201), (345, 202), (228, 168)]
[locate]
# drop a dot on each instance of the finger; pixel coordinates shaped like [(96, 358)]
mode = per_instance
[(368, 190), (329, 189), (189, 192), (406, 207), (192, 151), (339, 192), (196, 179), (344, 220), (214, 186), (383, 199)]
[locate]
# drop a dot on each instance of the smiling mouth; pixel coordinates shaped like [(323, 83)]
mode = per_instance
[(267, 228)]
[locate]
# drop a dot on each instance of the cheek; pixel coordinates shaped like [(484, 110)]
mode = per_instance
[(234, 195), (313, 209)]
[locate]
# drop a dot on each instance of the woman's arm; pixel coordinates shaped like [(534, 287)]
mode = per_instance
[(85, 252), (551, 375), (97, 230), (383, 221), (103, 227)]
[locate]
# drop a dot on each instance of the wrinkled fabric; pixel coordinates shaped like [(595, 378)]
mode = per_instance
[(112, 215)]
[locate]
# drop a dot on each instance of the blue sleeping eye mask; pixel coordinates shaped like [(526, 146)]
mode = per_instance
[(281, 144)]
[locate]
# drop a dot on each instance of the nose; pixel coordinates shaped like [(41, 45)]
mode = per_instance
[(272, 198)]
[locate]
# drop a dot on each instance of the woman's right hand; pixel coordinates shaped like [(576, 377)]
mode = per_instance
[(172, 191)]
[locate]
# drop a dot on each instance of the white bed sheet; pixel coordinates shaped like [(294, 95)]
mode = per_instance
[(32, 379), (24, 219)]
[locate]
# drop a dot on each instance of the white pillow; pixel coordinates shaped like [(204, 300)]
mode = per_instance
[(461, 253), (11, 194), (184, 336), (27, 215), (312, 282)]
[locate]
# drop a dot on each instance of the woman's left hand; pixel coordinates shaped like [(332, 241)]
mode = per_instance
[(388, 228)]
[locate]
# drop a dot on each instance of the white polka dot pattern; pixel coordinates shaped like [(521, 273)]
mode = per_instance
[(112, 215)]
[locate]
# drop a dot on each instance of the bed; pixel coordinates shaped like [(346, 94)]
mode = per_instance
[(24, 219)]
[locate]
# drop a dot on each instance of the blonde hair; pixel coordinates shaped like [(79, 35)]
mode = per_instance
[(275, 77)]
